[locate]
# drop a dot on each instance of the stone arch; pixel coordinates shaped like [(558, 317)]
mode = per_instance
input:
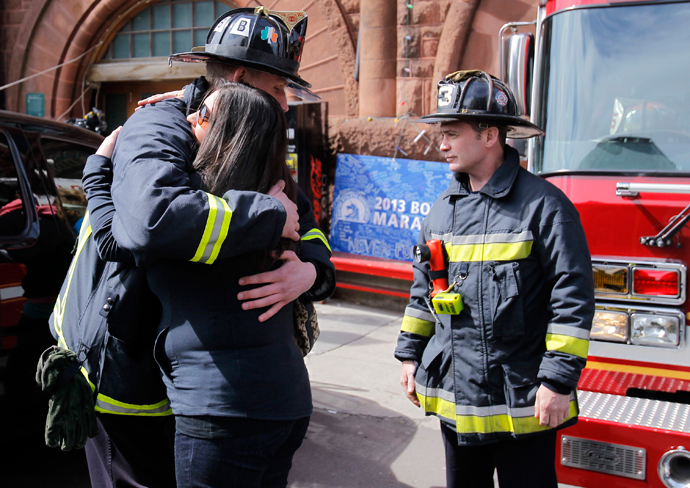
[(453, 40), (57, 31)]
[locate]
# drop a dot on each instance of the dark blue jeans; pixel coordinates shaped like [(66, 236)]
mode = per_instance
[(212, 452)]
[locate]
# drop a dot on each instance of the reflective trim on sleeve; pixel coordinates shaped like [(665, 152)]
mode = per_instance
[(106, 404), (419, 314), (567, 344), (418, 326), (568, 330), (216, 231), (316, 234)]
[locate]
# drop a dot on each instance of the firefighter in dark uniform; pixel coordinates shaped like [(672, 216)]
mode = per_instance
[(497, 355), (162, 214)]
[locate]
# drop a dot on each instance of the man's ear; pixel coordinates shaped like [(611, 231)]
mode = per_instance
[(491, 135), (239, 74)]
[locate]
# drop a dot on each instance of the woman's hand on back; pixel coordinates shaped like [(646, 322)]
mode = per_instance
[(108, 145)]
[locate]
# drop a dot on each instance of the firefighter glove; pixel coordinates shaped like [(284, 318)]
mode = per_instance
[(71, 415)]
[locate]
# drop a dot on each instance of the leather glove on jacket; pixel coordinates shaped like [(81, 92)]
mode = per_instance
[(71, 415)]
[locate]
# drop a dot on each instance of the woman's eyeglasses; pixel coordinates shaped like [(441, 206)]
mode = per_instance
[(204, 116)]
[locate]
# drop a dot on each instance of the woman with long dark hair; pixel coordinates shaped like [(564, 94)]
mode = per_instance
[(238, 387)]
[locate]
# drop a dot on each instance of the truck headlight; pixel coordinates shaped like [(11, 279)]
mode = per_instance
[(610, 326), (655, 330), (674, 468)]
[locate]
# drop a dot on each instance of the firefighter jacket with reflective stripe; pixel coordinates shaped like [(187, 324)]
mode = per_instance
[(127, 313), (106, 314), (518, 253), (217, 359), (163, 211)]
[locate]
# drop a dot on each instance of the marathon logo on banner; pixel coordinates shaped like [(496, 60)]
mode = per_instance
[(379, 204)]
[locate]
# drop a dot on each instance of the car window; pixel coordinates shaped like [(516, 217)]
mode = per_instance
[(12, 218), (66, 161)]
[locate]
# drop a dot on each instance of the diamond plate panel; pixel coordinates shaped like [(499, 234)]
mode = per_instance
[(635, 411)]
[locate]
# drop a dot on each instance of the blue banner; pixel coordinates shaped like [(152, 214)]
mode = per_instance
[(379, 204)]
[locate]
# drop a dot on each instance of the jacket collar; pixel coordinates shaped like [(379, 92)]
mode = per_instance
[(498, 186)]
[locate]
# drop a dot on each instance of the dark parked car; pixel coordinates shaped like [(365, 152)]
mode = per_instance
[(41, 206)]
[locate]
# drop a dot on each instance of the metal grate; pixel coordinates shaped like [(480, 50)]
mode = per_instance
[(604, 457)]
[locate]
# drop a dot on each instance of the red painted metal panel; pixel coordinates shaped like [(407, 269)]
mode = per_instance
[(8, 342), (618, 382), (614, 224), (11, 311), (655, 441), (11, 274)]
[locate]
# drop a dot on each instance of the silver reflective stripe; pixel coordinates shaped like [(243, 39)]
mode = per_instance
[(566, 330), (481, 411), (219, 208), (490, 411), (448, 396), (419, 314), (524, 236)]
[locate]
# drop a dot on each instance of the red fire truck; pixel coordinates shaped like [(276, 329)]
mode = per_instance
[(609, 84)]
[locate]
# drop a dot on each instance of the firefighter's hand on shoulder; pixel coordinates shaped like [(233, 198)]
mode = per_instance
[(407, 371), (108, 145), (281, 286), (291, 227), (159, 98), (551, 408)]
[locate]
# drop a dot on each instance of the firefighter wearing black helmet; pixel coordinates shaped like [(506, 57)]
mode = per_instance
[(162, 212), (500, 367)]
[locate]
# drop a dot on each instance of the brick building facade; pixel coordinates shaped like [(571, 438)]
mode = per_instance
[(373, 65)]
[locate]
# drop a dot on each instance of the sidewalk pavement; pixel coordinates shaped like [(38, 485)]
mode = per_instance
[(364, 433)]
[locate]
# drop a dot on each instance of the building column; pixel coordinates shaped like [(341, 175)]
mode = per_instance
[(378, 45)]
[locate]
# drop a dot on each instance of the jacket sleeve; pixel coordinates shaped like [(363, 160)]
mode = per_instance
[(568, 278), (418, 324), (314, 248), (162, 212), (98, 176)]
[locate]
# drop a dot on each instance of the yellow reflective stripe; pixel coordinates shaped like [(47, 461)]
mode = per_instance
[(417, 326), (216, 230), (227, 215), (86, 375), (567, 344), (106, 404), (316, 234), (210, 222), (60, 303), (474, 424), (439, 406), (493, 251)]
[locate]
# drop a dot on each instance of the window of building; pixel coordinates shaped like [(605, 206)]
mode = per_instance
[(167, 27)]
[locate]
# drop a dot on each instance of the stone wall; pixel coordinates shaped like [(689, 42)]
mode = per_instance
[(12, 15), (429, 40)]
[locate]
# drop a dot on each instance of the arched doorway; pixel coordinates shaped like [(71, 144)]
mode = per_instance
[(135, 63)]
